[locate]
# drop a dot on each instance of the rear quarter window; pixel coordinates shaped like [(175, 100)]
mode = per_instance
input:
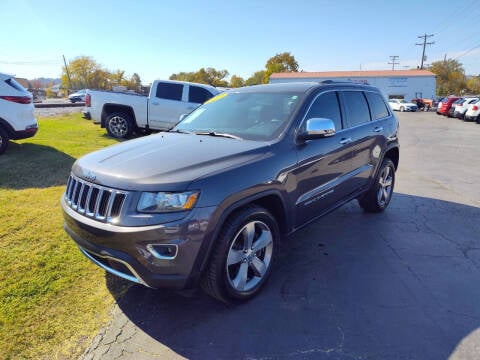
[(15, 84), (378, 108)]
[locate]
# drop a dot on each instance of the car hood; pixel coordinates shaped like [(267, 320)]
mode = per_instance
[(165, 161)]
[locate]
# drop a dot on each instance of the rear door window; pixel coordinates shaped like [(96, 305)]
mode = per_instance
[(169, 91), (198, 95), (356, 108)]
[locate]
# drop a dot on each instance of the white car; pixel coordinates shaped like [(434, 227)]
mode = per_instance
[(463, 105), (78, 96), (17, 120), (473, 112), (402, 105)]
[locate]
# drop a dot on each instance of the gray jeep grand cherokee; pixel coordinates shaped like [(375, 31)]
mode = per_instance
[(209, 201)]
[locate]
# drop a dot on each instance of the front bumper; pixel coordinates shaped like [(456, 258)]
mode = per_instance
[(470, 117), (129, 252)]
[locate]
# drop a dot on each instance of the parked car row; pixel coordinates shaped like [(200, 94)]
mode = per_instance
[(413, 105), (466, 107)]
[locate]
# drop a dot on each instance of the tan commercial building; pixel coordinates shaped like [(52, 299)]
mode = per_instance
[(400, 84)]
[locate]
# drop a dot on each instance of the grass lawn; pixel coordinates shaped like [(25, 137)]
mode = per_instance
[(52, 299)]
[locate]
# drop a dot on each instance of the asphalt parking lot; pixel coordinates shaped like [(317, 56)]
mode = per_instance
[(399, 285)]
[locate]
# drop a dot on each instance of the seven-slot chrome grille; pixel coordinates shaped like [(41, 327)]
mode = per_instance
[(92, 200)]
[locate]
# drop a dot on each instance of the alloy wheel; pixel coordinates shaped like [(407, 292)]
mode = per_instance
[(249, 256), (385, 182), (118, 126)]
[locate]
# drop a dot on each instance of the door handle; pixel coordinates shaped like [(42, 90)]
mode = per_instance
[(345, 141), (378, 129)]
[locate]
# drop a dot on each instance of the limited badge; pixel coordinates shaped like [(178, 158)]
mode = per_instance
[(376, 151)]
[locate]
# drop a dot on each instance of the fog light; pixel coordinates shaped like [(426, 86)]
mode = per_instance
[(163, 251)]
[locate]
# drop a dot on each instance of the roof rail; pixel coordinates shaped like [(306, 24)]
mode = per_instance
[(344, 82)]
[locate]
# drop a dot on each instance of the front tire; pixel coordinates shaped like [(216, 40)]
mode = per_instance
[(119, 125), (377, 198), (3, 140), (402, 109), (243, 255)]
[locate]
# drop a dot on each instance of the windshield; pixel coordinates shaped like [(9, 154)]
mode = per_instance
[(249, 116)]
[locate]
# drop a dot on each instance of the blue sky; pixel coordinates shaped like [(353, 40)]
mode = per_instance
[(158, 38)]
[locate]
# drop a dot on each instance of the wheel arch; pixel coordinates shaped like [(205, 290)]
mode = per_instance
[(393, 154), (7, 127), (111, 108), (272, 201)]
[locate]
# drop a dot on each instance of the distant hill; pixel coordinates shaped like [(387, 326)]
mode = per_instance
[(46, 81)]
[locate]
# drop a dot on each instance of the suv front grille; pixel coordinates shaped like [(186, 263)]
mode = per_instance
[(92, 200)]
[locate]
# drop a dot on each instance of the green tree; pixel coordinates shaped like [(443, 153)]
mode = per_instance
[(236, 81), (183, 76), (117, 77), (473, 85), (84, 72), (450, 77), (136, 81), (284, 62), (208, 76), (256, 79)]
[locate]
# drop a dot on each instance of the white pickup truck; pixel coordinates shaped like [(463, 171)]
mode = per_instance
[(123, 113)]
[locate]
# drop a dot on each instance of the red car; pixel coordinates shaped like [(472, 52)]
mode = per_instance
[(447, 104)]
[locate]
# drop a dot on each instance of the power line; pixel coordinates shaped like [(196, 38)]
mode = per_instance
[(393, 58), (467, 52), (424, 37), (454, 14)]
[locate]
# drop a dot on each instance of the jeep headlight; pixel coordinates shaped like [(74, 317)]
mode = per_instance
[(159, 202)]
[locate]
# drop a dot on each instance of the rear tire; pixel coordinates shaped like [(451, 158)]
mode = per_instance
[(119, 125), (243, 255), (402, 109), (377, 198), (3, 140)]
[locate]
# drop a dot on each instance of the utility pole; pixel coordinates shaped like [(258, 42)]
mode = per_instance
[(68, 74), (425, 43), (393, 58)]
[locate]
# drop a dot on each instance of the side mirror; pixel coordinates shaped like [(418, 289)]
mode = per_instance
[(317, 128), (183, 116)]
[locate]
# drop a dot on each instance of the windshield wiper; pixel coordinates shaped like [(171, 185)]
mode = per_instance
[(178, 131), (213, 133)]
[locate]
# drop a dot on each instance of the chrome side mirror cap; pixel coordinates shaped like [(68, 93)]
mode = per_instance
[(316, 128)]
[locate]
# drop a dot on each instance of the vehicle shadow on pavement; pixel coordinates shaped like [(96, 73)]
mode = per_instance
[(27, 165), (398, 285)]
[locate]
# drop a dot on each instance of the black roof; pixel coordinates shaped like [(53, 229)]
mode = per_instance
[(301, 87)]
